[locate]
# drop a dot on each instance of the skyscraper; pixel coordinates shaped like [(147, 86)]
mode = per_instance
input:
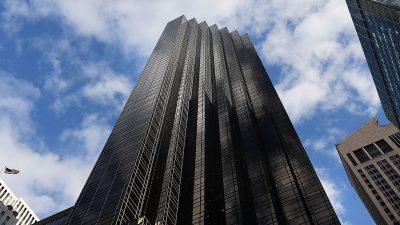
[(371, 158), (203, 139), (377, 23), (59, 218)]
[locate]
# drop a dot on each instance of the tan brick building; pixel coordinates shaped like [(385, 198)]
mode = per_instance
[(371, 158)]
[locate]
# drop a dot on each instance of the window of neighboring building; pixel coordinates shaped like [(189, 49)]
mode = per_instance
[(384, 146), (372, 150), (352, 159), (395, 138), (361, 155)]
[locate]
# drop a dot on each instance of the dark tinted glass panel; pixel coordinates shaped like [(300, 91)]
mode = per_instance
[(361, 156), (395, 138), (384, 146), (59, 221), (352, 159), (372, 150)]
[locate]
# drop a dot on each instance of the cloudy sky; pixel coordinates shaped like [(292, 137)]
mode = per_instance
[(67, 67)]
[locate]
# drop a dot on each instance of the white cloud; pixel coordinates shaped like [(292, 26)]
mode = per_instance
[(14, 10), (73, 78), (91, 135), (47, 181), (54, 80), (43, 174), (56, 53), (324, 63), (313, 40), (334, 191), (16, 99), (325, 142), (134, 25), (106, 86), (137, 24)]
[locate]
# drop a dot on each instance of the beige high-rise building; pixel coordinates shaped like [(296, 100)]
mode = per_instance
[(371, 158), (14, 210)]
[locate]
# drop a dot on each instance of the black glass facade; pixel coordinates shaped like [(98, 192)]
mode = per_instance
[(59, 218), (203, 139), (377, 23)]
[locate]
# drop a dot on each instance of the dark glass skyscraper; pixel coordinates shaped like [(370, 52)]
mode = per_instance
[(377, 23), (203, 139)]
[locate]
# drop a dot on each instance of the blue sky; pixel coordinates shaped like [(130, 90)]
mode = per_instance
[(67, 67)]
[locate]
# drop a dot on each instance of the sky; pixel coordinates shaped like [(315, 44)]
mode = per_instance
[(67, 68)]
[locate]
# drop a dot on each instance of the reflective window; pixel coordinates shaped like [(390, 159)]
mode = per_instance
[(372, 150), (361, 155), (384, 146), (395, 138), (352, 159)]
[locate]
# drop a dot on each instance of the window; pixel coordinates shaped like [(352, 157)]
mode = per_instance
[(372, 151), (395, 138), (361, 156), (352, 159), (383, 146)]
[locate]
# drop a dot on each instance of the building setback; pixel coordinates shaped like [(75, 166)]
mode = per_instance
[(370, 156), (203, 139), (377, 23)]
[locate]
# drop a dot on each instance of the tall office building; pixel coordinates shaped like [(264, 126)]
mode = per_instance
[(371, 158), (59, 218), (377, 23), (203, 139), (14, 210)]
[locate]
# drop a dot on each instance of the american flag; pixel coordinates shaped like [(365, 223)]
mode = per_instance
[(11, 171)]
